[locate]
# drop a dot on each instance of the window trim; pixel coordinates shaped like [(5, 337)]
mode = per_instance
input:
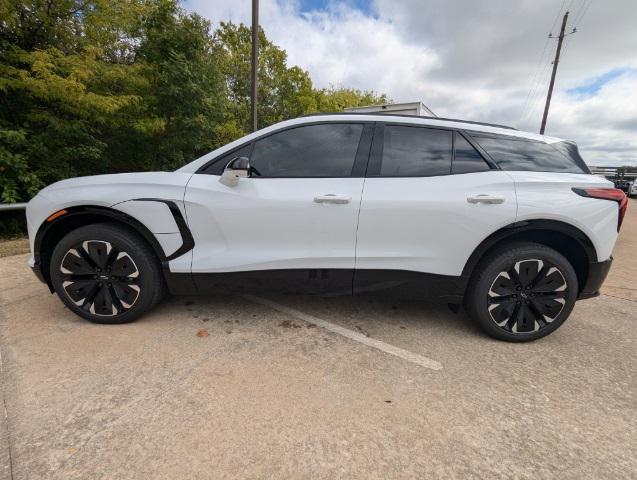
[(361, 157), (453, 156), (378, 145)]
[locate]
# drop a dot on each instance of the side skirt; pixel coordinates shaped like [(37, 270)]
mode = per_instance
[(326, 282)]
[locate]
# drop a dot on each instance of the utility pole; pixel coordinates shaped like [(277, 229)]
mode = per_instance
[(560, 39), (255, 63)]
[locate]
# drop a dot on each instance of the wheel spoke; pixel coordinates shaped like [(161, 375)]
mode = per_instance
[(503, 286), (79, 289), (90, 297), (98, 252), (103, 304), (74, 262), (112, 256), (540, 276), (123, 266), (125, 292), (551, 282), (501, 299), (115, 299), (528, 270), (515, 278)]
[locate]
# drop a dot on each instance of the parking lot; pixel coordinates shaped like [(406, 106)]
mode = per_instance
[(311, 387)]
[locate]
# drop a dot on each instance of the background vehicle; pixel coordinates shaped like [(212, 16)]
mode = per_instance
[(510, 223), (633, 190)]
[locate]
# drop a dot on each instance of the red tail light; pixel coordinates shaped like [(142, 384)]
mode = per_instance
[(614, 194)]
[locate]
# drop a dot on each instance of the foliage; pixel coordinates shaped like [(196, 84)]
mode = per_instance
[(99, 86)]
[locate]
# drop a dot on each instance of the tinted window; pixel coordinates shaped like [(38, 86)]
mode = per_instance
[(466, 159), (218, 166), (519, 154), (415, 152), (569, 149), (325, 150)]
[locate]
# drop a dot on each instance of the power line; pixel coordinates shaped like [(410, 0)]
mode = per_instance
[(582, 12)]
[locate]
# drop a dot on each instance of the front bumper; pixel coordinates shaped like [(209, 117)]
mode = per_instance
[(597, 272)]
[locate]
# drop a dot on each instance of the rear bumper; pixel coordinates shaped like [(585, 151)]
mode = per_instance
[(597, 272)]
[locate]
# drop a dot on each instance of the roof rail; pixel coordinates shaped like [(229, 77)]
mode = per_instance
[(385, 114)]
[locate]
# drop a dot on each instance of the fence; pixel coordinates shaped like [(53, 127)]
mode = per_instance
[(5, 207)]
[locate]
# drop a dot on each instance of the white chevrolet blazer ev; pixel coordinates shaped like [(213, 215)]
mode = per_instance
[(510, 224)]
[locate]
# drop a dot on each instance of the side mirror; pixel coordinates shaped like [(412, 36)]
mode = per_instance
[(236, 168)]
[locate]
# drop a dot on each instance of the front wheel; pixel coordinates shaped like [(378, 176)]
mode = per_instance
[(106, 274), (522, 292)]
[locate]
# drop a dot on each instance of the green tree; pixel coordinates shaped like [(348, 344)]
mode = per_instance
[(336, 99)]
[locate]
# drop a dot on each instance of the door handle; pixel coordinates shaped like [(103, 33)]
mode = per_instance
[(332, 198), (483, 198)]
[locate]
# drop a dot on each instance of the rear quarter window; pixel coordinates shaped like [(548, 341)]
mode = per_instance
[(531, 155)]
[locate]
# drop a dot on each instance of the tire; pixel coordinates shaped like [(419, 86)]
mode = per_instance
[(106, 274), (522, 292)]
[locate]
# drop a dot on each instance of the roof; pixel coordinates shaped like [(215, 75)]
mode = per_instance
[(370, 117)]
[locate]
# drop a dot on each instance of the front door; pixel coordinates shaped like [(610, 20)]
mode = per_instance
[(297, 211)]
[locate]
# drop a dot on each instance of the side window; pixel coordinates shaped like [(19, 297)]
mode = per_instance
[(466, 159), (527, 155), (415, 152), (326, 150), (217, 167)]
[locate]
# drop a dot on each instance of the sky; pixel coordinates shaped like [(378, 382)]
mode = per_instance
[(485, 60)]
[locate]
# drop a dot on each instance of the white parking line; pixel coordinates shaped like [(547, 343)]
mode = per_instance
[(357, 337)]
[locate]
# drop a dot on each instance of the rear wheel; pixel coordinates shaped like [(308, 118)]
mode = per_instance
[(106, 274), (522, 292)]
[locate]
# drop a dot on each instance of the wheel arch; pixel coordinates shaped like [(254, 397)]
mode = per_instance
[(51, 232), (567, 239)]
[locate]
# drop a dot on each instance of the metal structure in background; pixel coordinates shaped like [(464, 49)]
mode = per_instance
[(6, 207), (255, 63)]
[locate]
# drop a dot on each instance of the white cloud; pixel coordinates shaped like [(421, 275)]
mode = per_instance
[(473, 59)]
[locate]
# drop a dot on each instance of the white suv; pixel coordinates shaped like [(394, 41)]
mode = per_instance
[(511, 224)]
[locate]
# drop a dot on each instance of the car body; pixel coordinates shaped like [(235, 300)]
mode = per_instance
[(345, 203)]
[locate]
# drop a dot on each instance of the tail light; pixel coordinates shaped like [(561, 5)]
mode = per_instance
[(613, 194)]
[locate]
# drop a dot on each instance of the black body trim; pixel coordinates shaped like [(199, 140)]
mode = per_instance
[(330, 282), (529, 226), (597, 272), (411, 284), (37, 271), (188, 242)]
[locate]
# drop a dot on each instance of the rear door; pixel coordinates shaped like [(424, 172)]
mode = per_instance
[(298, 210), (429, 199)]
